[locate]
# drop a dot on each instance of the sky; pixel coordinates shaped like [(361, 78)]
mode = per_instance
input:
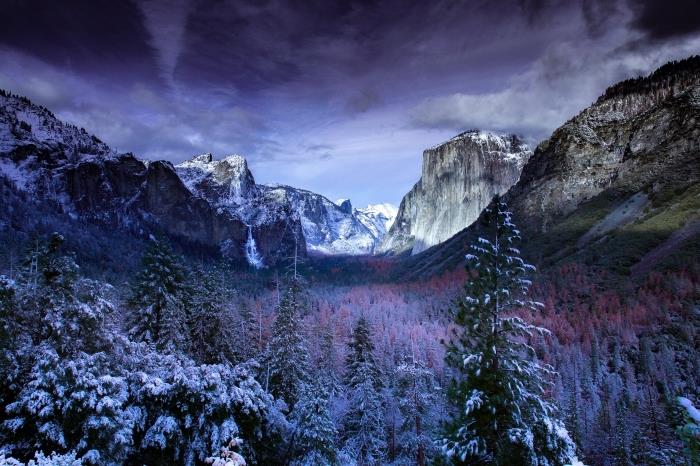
[(337, 97)]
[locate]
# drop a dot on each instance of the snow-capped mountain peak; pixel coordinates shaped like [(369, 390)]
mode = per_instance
[(328, 227), (378, 218)]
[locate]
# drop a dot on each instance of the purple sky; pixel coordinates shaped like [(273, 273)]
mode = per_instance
[(340, 98)]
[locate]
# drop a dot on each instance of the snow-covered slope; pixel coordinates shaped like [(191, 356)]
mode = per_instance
[(328, 227), (378, 218)]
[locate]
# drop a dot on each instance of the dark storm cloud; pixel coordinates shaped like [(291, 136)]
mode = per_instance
[(96, 37), (663, 19), (314, 92)]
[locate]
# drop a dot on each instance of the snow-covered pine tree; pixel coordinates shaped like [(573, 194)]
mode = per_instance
[(418, 396), (247, 333), (500, 415), (689, 431), (211, 321), (363, 426), (315, 434), (286, 365), (327, 371), (158, 298), (361, 356)]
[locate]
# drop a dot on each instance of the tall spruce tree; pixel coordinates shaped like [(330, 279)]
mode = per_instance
[(158, 298), (248, 330), (500, 416), (286, 366), (418, 396), (315, 433), (363, 427), (361, 356), (211, 320)]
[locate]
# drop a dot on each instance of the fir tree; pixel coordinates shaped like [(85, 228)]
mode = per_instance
[(326, 366), (364, 420), (417, 393), (158, 298), (361, 356), (211, 321), (248, 345), (314, 435), (500, 415), (287, 356), (54, 306)]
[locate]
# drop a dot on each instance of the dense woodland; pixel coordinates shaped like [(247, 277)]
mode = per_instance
[(190, 362)]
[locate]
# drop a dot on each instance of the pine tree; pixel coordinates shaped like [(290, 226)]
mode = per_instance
[(55, 306), (500, 415), (689, 431), (211, 321), (326, 366), (247, 342), (158, 298), (417, 393), (315, 433), (361, 355), (287, 356), (621, 451), (364, 420)]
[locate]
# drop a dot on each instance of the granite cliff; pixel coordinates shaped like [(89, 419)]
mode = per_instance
[(459, 178)]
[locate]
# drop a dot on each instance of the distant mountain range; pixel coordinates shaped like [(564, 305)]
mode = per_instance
[(616, 186), (215, 204)]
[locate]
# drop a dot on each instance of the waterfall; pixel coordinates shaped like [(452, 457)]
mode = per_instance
[(251, 250)]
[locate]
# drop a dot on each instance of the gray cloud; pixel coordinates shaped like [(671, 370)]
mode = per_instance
[(338, 97)]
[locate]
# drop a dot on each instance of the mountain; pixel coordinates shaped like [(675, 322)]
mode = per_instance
[(378, 218), (459, 178), (59, 165), (615, 187), (326, 227)]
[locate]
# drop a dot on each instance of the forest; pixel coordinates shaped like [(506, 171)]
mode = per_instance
[(194, 362)]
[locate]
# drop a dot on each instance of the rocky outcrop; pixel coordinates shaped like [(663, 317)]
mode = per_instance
[(616, 187), (640, 135), (459, 178), (64, 166), (319, 225)]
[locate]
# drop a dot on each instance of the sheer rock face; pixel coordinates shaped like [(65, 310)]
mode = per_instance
[(459, 178), (641, 135)]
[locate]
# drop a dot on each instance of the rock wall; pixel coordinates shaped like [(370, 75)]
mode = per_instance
[(459, 178), (640, 135)]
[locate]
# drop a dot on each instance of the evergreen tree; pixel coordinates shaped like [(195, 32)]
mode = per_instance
[(314, 435), (248, 331), (364, 421), (211, 321), (158, 298), (361, 356), (500, 415), (621, 452), (689, 432), (54, 306), (417, 393), (287, 356), (326, 366)]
